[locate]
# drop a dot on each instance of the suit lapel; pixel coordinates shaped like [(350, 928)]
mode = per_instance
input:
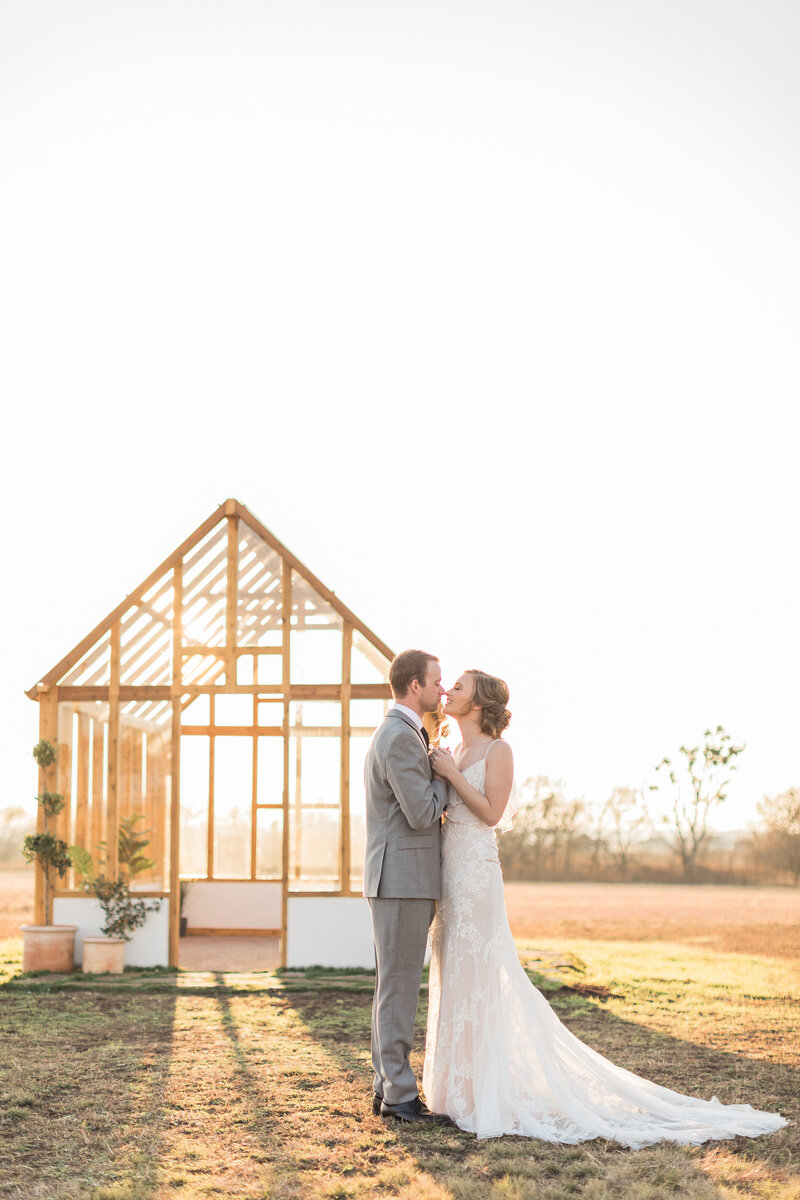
[(402, 717)]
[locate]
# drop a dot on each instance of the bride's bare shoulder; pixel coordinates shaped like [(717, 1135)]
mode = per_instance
[(500, 751)]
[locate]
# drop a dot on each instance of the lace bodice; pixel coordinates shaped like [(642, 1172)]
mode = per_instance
[(457, 811)]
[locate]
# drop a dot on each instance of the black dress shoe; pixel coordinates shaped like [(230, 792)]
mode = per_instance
[(413, 1112), (377, 1101)]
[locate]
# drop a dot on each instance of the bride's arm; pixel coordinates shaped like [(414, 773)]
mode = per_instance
[(499, 778)]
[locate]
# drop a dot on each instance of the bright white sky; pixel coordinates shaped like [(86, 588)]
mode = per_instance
[(489, 311)]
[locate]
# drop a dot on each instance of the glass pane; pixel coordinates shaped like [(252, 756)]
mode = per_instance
[(233, 774), (314, 779), (367, 664), (326, 714), (321, 770), (194, 806), (368, 714), (233, 710), (270, 668), (244, 669), (271, 637), (316, 656), (316, 636), (314, 850), (269, 844), (197, 712), (270, 712), (270, 770)]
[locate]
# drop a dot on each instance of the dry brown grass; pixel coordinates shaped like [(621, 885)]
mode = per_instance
[(119, 1095), (112, 1095), (745, 920)]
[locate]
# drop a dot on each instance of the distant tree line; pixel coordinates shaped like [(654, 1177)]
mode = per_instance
[(660, 832)]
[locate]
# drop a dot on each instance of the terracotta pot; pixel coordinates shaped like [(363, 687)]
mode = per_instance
[(102, 955), (48, 947)]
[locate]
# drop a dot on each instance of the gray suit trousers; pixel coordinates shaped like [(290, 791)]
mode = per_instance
[(400, 929)]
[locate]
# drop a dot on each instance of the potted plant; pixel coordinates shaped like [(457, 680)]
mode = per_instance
[(123, 915), (48, 947)]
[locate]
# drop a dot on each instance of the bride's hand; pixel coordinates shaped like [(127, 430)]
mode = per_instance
[(442, 763)]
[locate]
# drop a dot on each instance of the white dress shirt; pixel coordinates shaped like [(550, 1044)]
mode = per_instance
[(409, 712)]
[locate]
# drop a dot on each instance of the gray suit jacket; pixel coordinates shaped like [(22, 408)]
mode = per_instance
[(404, 807)]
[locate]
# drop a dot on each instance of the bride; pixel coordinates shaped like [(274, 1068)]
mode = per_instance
[(497, 1058)]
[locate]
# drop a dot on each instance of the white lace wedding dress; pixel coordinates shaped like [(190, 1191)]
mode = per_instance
[(497, 1058)]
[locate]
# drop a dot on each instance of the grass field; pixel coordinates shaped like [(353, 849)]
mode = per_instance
[(158, 1087)]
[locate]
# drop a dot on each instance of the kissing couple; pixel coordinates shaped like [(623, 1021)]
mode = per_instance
[(497, 1059)]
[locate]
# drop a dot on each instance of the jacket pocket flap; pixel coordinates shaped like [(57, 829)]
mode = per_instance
[(415, 843)]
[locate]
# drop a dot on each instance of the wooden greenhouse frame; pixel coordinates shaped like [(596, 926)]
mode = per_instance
[(209, 622)]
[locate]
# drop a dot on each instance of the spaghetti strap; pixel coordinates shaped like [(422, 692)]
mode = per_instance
[(488, 748)]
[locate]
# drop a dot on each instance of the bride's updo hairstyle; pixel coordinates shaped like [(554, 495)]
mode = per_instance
[(491, 696)]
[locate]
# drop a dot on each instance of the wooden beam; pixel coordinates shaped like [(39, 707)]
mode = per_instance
[(63, 828), (203, 932), (296, 691), (254, 795), (48, 730), (286, 643), (175, 769), (97, 831), (137, 788), (298, 801), (211, 771), (344, 783), (157, 802), (125, 778), (77, 652), (82, 791), (298, 731), (231, 593), (112, 790)]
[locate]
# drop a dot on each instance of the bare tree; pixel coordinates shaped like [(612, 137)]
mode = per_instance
[(546, 827), (596, 835), (568, 818), (624, 818), (15, 822), (778, 841), (690, 790)]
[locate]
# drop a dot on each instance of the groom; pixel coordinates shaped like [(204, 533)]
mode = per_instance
[(402, 876)]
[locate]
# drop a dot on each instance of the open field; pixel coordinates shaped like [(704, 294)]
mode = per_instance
[(156, 1086), (747, 920)]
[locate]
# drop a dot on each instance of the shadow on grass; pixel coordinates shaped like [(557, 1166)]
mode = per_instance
[(341, 1025)]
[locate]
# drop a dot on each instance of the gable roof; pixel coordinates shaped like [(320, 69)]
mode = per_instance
[(230, 508)]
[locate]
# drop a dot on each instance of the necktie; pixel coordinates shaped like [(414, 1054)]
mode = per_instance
[(424, 733)]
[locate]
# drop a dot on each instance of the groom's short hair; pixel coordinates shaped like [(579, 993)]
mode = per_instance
[(407, 666)]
